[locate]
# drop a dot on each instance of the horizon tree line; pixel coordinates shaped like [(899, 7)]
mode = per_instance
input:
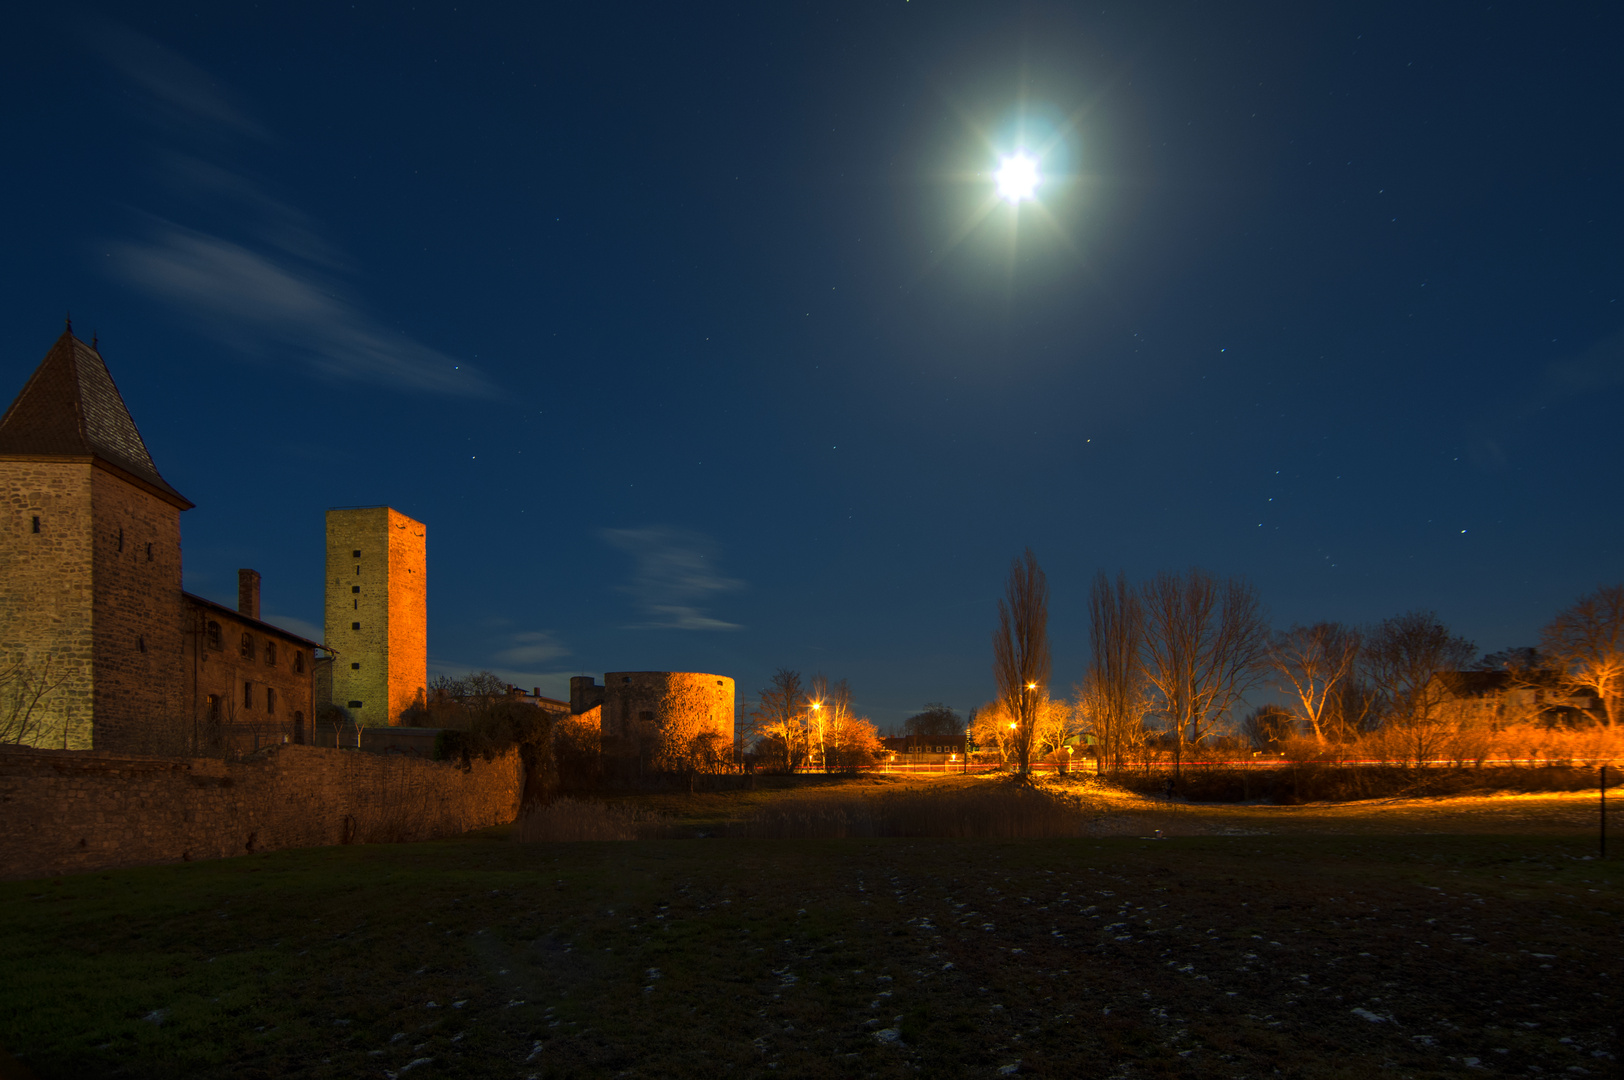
[(1173, 656)]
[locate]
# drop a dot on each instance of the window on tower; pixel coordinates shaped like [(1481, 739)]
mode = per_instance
[(355, 588), (355, 626)]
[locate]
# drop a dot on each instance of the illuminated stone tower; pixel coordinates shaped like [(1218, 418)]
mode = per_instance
[(90, 575), (377, 611)]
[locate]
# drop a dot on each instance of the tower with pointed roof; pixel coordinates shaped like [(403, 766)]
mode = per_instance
[(91, 607)]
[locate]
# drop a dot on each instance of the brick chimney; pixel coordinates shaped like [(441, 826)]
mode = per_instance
[(248, 593)]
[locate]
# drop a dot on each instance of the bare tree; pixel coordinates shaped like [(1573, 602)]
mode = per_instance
[(1020, 649), (1205, 642), (23, 689), (1587, 642), (1054, 723), (1113, 694), (993, 725), (935, 721), (1267, 727), (1313, 660), (777, 717), (1403, 657), (849, 741)]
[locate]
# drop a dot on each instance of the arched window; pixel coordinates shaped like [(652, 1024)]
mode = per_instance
[(213, 634), (248, 646)]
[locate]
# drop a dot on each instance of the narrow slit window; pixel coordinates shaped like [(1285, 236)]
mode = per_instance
[(270, 700), (247, 695), (36, 523)]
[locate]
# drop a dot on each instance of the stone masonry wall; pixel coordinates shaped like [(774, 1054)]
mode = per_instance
[(45, 592), (139, 622), (67, 812)]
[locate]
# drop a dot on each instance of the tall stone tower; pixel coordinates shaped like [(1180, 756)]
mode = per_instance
[(90, 566), (377, 611)]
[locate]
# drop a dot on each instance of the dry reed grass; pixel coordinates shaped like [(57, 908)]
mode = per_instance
[(982, 810), (580, 819)]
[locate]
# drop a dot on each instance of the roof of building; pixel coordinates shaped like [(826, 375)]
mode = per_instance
[(71, 408), (1474, 683), (261, 624)]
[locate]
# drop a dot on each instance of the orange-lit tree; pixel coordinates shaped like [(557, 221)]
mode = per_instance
[(1587, 641), (993, 725), (1054, 723), (1205, 641), (777, 721), (1403, 657), (1313, 661), (1020, 650)]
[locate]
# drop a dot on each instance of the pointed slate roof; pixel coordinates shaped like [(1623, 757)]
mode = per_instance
[(70, 408)]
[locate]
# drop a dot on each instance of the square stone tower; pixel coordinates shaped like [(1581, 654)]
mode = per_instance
[(90, 563), (377, 611)]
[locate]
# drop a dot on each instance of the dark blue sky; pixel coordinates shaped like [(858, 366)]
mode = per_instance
[(687, 331)]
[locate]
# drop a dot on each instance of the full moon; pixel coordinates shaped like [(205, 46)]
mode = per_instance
[(1017, 177)]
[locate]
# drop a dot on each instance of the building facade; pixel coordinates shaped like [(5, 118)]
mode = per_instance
[(97, 638), (377, 612)]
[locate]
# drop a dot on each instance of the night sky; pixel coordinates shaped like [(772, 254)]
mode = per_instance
[(699, 339)]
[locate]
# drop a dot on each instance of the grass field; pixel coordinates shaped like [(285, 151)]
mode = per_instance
[(1423, 939)]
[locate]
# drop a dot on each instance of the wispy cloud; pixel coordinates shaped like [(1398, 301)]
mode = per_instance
[(674, 571), (1597, 368), (298, 626), (273, 289), (531, 647), (178, 90), (255, 304)]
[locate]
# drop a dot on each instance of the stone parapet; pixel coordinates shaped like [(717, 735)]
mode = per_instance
[(76, 811)]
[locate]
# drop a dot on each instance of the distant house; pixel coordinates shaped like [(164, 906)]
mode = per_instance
[(924, 749), (1497, 698)]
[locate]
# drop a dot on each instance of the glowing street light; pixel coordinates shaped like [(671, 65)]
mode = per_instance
[(1017, 177)]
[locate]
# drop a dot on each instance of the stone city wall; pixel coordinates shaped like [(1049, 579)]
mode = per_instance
[(73, 811)]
